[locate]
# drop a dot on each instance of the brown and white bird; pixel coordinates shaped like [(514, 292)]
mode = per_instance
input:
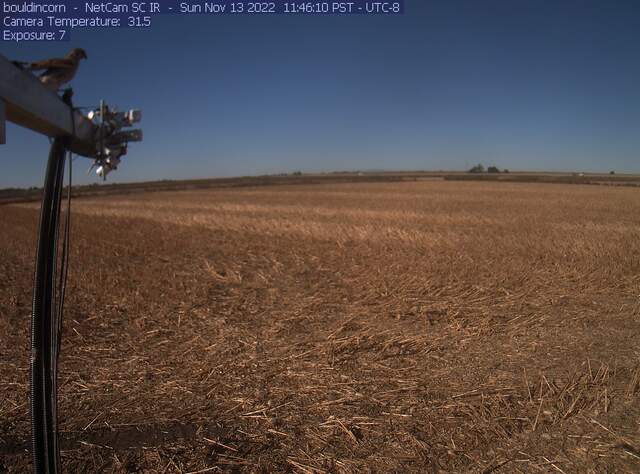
[(57, 71)]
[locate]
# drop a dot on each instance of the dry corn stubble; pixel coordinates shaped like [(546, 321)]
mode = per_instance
[(431, 326)]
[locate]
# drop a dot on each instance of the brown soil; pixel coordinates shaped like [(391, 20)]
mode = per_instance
[(385, 327)]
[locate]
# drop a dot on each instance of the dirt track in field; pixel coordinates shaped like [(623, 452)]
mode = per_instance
[(388, 327)]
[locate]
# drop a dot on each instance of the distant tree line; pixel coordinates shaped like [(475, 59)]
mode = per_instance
[(479, 168)]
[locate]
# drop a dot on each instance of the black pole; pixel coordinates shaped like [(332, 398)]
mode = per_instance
[(43, 321)]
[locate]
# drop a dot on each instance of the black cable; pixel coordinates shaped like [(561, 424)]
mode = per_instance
[(64, 264), (44, 441), (56, 327), (48, 304)]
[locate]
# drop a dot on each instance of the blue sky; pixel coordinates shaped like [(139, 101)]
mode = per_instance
[(522, 84)]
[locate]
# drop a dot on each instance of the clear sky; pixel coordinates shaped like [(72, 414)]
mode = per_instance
[(522, 84)]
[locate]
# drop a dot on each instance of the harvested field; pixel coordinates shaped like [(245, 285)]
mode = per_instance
[(432, 326)]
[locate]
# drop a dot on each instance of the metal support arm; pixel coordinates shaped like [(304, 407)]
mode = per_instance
[(32, 106)]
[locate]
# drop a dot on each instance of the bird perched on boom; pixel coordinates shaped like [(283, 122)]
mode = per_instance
[(57, 71)]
